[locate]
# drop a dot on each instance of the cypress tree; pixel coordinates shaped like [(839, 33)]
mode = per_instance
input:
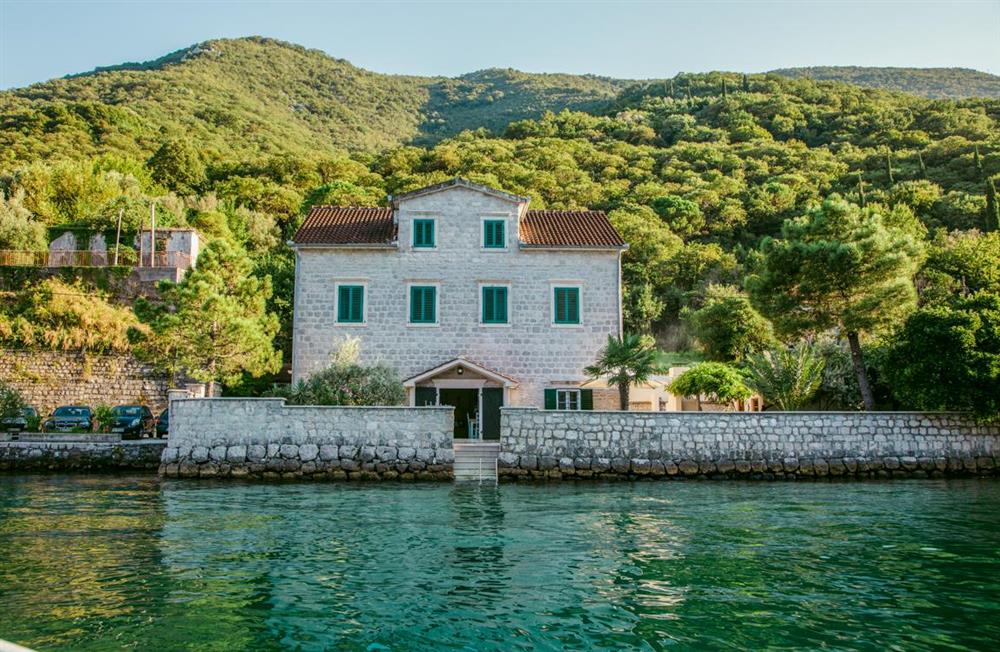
[(992, 221), (978, 160), (689, 90), (888, 166), (724, 90), (861, 190), (746, 83), (923, 166), (671, 88)]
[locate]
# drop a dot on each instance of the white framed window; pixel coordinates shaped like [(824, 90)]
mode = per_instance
[(494, 304), (350, 302), (422, 301), (567, 399), (424, 233), (494, 233), (566, 304)]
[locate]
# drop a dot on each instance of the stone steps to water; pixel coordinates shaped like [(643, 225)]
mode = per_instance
[(476, 462)]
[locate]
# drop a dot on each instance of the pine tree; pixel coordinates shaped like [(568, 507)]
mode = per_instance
[(839, 267)]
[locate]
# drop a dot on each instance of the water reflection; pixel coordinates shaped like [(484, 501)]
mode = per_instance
[(105, 563)]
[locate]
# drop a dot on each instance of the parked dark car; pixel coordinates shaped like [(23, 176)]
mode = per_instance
[(132, 421), (67, 418), (163, 423), (21, 422)]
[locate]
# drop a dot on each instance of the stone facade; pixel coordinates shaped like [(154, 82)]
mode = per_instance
[(530, 350), (762, 445), (90, 456), (264, 438), (48, 379)]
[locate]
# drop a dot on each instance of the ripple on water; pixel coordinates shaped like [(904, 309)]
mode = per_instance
[(98, 563)]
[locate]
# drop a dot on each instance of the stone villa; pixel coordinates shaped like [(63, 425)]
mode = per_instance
[(476, 300)]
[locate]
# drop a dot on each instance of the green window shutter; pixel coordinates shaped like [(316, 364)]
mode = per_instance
[(430, 304), (351, 303), (423, 233), (586, 399), (550, 399), (493, 234), (423, 308), (494, 305), (501, 305), (567, 305)]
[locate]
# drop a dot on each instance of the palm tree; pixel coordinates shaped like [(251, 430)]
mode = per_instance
[(626, 360)]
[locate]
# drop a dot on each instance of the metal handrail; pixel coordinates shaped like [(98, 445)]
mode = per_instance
[(127, 257), (67, 258)]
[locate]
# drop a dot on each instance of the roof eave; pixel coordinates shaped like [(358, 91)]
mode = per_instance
[(342, 245), (457, 182), (524, 245)]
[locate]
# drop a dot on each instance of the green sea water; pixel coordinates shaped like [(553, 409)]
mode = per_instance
[(109, 563)]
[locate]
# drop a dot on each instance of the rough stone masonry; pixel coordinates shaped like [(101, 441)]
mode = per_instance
[(759, 445), (48, 379), (264, 438)]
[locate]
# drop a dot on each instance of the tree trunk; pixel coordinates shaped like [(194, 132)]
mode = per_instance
[(623, 396), (861, 372)]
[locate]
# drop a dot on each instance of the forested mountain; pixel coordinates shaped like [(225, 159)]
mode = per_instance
[(698, 172), (257, 95), (941, 83)]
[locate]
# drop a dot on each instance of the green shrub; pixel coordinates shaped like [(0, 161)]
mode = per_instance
[(787, 378), (104, 417), (11, 401), (716, 381)]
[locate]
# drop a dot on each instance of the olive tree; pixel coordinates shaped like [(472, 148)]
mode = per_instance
[(717, 381)]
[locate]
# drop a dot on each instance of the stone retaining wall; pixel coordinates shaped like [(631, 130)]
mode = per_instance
[(35, 456), (48, 379), (264, 438), (760, 445)]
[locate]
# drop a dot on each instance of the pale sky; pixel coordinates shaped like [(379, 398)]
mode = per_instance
[(44, 39)]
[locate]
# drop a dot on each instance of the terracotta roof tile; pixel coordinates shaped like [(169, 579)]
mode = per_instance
[(569, 229), (347, 225)]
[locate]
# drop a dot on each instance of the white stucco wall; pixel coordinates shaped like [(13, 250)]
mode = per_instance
[(531, 350)]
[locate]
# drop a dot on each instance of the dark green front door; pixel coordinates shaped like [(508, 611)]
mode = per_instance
[(490, 420), (466, 404)]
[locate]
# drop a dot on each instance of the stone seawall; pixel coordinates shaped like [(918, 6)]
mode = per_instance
[(760, 445), (264, 438), (48, 379), (92, 456)]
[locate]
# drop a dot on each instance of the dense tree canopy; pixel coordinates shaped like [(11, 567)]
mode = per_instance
[(838, 267), (707, 176), (214, 325)]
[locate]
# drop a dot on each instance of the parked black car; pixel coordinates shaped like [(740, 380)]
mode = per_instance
[(132, 421), (67, 418), (163, 423), (21, 422)]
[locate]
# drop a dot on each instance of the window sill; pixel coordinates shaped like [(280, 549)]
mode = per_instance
[(412, 325), (508, 325), (555, 325), (351, 324), (494, 250)]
